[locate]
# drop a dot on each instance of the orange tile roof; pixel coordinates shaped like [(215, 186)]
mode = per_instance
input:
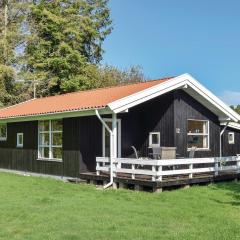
[(83, 100)]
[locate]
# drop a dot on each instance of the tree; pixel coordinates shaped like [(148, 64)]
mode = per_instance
[(111, 76), (65, 43), (12, 15), (236, 108)]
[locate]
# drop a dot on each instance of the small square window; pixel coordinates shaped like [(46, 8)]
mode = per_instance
[(154, 139), (20, 140), (231, 138)]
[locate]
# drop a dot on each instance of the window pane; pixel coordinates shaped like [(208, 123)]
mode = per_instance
[(57, 139), (197, 126), (57, 125), (20, 139), (44, 152), (44, 139), (155, 138), (198, 141), (44, 126), (231, 138), (57, 153), (3, 131)]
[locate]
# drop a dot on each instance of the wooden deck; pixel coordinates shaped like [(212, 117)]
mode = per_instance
[(161, 174), (143, 183)]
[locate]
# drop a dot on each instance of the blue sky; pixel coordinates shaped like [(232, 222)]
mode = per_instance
[(172, 37)]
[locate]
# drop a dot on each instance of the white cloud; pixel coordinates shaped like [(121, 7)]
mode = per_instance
[(231, 97)]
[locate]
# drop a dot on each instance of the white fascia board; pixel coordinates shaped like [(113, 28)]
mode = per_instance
[(52, 116), (147, 94), (209, 96), (233, 125), (162, 88)]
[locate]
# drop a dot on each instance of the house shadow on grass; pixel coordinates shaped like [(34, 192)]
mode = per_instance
[(232, 189)]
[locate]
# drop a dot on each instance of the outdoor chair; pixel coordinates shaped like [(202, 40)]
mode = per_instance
[(156, 152), (135, 152), (168, 152), (164, 152), (192, 152)]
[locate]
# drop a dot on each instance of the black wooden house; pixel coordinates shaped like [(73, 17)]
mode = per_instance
[(63, 135)]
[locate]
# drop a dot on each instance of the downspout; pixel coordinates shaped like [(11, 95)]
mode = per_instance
[(111, 149), (221, 134)]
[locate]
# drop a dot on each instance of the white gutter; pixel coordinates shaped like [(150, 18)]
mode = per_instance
[(221, 134), (111, 149)]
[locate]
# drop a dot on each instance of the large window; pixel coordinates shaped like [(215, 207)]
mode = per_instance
[(50, 139), (198, 134), (3, 132)]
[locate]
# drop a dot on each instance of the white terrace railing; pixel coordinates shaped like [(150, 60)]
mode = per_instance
[(157, 169)]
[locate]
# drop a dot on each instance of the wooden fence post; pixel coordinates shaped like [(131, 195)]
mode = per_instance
[(216, 167), (238, 163), (98, 165), (154, 171), (191, 167), (160, 173), (133, 168)]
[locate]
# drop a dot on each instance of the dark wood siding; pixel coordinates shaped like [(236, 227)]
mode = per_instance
[(186, 107), (25, 159), (82, 142), (231, 149), (82, 136), (153, 116)]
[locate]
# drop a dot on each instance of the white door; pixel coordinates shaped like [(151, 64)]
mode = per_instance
[(106, 137)]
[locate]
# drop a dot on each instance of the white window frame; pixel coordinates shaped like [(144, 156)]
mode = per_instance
[(50, 146), (20, 145), (4, 138), (200, 134), (151, 145), (233, 140), (119, 150)]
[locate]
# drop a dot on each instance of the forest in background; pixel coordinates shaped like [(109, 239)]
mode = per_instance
[(55, 46)]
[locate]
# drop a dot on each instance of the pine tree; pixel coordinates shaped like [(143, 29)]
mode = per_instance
[(65, 44)]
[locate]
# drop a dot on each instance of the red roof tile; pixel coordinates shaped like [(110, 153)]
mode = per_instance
[(91, 99)]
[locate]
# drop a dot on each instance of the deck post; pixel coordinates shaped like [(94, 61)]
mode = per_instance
[(216, 167), (133, 168), (191, 167), (114, 143), (154, 171), (157, 190), (98, 165), (159, 178), (238, 163), (137, 187), (114, 185)]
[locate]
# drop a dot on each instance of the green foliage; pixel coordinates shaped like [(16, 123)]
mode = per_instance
[(58, 44), (236, 108), (12, 35), (65, 43)]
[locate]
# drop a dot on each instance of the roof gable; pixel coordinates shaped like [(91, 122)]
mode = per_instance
[(189, 85)]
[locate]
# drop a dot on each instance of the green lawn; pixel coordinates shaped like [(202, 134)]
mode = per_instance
[(38, 208)]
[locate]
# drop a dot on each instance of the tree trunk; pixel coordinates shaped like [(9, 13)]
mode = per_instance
[(5, 31)]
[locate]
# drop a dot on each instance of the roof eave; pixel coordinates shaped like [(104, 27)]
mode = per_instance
[(56, 115)]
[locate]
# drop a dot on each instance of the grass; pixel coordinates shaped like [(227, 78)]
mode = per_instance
[(38, 208)]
